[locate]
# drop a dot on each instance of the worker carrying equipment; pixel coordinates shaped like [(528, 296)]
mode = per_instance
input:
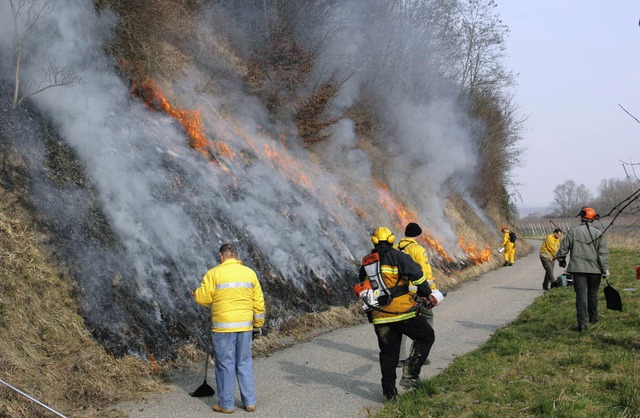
[(508, 243), (385, 276)]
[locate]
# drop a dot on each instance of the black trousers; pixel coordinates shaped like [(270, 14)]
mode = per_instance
[(389, 338), (586, 286)]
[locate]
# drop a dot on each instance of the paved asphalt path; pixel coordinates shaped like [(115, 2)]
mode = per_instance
[(337, 374)]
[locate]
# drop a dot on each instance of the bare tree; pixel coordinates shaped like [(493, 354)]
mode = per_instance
[(482, 38), (570, 197), (613, 191), (26, 16)]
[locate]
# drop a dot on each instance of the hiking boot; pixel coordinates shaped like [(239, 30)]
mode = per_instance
[(506, 263), (407, 382), (594, 320), (250, 408), (582, 328), (218, 408), (511, 264)]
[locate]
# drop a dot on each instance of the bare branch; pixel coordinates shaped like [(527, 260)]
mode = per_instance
[(56, 76), (636, 119), (620, 207)]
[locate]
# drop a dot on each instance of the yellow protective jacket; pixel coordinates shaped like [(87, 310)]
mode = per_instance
[(506, 241), (550, 247), (419, 255), (397, 269), (235, 296)]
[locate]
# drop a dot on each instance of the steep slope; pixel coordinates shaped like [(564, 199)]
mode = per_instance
[(47, 351), (137, 178)]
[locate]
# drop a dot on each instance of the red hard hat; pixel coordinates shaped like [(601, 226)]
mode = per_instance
[(588, 214)]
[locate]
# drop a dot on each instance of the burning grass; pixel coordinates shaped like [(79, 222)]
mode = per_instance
[(46, 350)]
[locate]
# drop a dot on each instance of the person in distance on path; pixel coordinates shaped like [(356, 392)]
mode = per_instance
[(548, 251), (509, 246), (237, 314), (588, 264)]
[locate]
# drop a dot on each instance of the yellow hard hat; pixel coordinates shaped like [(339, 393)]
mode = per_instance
[(382, 234)]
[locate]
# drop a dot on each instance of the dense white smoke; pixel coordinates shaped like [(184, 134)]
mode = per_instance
[(171, 206), (381, 53)]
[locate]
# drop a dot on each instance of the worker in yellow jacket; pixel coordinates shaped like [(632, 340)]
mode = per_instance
[(509, 245), (548, 251), (237, 314), (410, 246)]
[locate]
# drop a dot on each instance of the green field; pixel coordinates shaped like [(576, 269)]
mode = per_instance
[(541, 366)]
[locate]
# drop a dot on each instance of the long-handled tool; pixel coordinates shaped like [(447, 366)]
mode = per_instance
[(204, 389)]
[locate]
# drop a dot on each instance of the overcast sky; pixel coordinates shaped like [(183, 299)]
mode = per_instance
[(576, 60)]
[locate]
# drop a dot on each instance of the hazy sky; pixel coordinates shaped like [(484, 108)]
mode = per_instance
[(576, 60)]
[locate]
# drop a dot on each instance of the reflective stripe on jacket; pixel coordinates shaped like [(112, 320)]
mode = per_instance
[(235, 296), (397, 269)]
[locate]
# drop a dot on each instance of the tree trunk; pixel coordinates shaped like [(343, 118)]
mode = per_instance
[(17, 79)]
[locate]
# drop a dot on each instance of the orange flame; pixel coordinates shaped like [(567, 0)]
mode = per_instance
[(476, 255), (283, 160), (403, 216), (191, 120)]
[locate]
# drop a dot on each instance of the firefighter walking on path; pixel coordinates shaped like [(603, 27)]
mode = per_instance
[(385, 276), (237, 313), (410, 246), (548, 251), (509, 245)]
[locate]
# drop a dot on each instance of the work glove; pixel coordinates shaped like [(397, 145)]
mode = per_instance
[(257, 333), (562, 262), (433, 299), (605, 275)]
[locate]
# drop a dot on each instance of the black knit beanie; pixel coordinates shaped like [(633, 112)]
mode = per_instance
[(412, 230)]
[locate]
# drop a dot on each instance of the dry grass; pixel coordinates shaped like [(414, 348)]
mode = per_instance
[(151, 36), (310, 117), (628, 239), (277, 71), (45, 348)]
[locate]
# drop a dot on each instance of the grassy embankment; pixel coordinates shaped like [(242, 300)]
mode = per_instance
[(45, 348), (541, 366)]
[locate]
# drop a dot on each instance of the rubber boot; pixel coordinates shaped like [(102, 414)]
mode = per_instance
[(389, 392), (411, 371)]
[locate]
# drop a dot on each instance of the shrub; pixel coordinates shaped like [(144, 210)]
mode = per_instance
[(309, 118), (277, 70)]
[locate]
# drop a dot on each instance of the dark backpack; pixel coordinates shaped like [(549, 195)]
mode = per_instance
[(512, 237)]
